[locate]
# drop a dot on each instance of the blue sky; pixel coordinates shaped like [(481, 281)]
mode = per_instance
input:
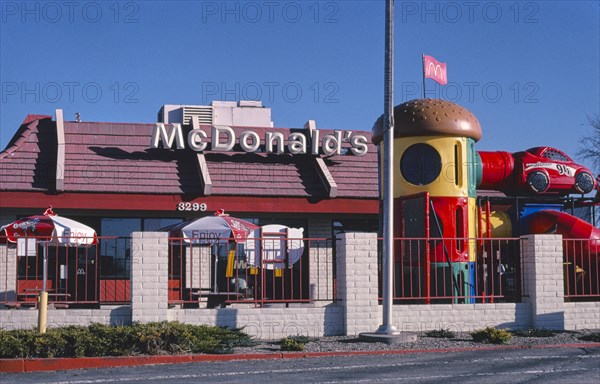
[(530, 71)]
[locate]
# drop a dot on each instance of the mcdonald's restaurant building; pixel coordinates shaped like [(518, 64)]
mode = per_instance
[(194, 160), (120, 178)]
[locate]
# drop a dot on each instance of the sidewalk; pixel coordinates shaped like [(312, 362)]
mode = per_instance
[(55, 364)]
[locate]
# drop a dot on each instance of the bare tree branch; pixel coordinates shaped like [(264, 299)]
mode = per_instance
[(590, 144)]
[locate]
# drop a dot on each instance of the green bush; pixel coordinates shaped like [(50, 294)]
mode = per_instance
[(15, 343), (594, 336), (491, 335), (137, 339), (300, 339), (534, 332), (290, 344), (49, 344), (441, 333)]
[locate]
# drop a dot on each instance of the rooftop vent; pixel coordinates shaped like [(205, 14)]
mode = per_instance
[(247, 113), (205, 114)]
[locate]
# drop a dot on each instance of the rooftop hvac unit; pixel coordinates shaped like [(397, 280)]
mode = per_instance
[(204, 113), (247, 113)]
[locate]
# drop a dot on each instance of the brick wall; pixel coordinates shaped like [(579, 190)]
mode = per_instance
[(357, 310), (27, 318), (149, 276), (8, 273), (269, 323), (357, 281), (580, 316), (461, 317), (542, 257)]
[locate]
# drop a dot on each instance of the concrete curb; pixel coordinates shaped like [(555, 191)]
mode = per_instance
[(60, 364)]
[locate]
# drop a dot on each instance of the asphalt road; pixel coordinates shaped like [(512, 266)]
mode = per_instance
[(551, 365)]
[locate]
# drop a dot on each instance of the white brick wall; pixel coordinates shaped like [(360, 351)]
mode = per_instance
[(28, 318), (358, 309), (461, 317), (8, 273), (268, 323), (543, 280), (579, 316), (149, 276), (357, 282)]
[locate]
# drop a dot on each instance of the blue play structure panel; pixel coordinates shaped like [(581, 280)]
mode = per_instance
[(529, 209)]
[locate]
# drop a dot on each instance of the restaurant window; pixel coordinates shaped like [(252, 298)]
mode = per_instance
[(115, 246), (115, 242), (353, 225), (155, 224)]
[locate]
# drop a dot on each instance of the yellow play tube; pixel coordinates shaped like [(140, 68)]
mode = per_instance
[(500, 224)]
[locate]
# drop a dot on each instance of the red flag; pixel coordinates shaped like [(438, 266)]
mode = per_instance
[(435, 70)]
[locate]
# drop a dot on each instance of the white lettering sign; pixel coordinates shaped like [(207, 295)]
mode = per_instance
[(223, 132), (160, 134), (223, 139)]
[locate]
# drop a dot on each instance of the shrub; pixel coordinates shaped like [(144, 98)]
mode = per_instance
[(49, 344), (15, 343), (300, 339), (24, 344), (594, 336), (441, 333), (491, 335), (207, 339), (534, 332), (79, 341), (104, 340), (291, 345)]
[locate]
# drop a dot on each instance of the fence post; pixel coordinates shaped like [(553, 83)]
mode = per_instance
[(8, 273), (543, 280), (357, 281), (149, 276), (321, 261)]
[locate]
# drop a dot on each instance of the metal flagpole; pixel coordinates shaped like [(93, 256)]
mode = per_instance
[(387, 327), (423, 65)]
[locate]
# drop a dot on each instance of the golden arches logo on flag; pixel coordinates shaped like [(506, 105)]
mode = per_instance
[(436, 70)]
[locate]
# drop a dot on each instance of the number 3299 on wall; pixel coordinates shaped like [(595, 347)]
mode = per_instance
[(194, 207)]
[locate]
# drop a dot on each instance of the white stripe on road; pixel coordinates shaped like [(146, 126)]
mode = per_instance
[(349, 367), (464, 375)]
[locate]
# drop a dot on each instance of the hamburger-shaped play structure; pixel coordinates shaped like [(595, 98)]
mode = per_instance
[(437, 176)]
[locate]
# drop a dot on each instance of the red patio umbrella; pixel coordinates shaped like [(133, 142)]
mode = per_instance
[(210, 229), (49, 226)]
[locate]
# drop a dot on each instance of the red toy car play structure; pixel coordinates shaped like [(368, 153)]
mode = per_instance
[(539, 170)]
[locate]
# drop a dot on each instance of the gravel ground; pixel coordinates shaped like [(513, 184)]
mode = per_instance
[(461, 340)]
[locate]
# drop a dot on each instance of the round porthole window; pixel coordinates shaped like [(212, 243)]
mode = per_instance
[(420, 164)]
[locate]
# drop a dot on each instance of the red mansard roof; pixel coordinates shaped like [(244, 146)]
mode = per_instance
[(116, 158), (29, 161)]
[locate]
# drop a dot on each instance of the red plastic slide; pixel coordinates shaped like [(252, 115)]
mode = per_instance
[(571, 227)]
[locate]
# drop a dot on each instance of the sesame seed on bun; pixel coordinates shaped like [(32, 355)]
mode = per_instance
[(430, 117)]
